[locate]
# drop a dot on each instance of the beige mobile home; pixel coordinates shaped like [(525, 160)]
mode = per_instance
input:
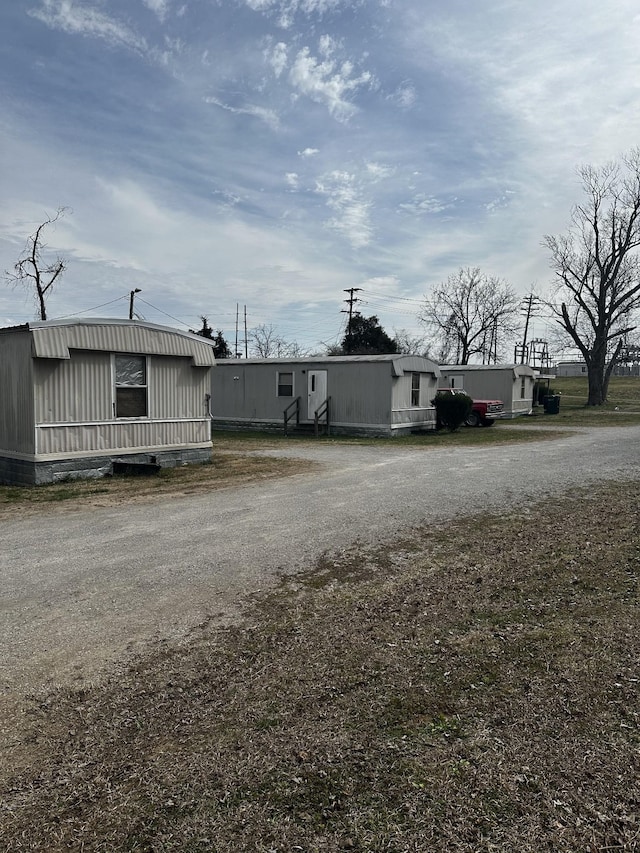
[(511, 383), (78, 396), (376, 395)]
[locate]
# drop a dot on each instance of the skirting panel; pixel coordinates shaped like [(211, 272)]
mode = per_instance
[(23, 472)]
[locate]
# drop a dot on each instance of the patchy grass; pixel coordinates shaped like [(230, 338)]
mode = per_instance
[(475, 690), (235, 459), (465, 436), (225, 469), (621, 409)]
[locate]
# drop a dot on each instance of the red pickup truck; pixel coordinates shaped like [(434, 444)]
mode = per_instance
[(483, 412)]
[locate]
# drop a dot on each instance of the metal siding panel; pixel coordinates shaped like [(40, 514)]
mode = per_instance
[(79, 389), (54, 341), (416, 364), (361, 392), (176, 388), (116, 436), (17, 429)]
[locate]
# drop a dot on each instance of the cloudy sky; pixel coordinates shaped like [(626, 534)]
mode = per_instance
[(272, 153)]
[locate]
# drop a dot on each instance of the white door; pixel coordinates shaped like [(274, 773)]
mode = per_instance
[(316, 391)]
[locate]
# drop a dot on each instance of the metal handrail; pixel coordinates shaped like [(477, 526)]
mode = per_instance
[(324, 409), (295, 407)]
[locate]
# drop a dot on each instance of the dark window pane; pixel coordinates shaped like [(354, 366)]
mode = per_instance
[(131, 402), (415, 389)]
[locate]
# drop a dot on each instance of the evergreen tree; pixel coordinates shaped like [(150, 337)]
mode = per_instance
[(365, 336)]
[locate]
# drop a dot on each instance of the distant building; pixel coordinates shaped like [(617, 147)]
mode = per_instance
[(571, 368), (511, 383)]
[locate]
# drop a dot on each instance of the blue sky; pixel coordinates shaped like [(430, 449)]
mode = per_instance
[(271, 153)]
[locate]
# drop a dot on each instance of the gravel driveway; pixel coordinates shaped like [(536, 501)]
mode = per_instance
[(86, 587)]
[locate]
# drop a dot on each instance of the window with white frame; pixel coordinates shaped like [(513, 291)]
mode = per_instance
[(285, 384), (523, 387), (130, 372), (415, 389)]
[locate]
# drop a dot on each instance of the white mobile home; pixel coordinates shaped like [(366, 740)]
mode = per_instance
[(571, 368), (511, 383), (77, 396), (358, 395)]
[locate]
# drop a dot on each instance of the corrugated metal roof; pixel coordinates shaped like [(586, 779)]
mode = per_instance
[(53, 339), (517, 369), (399, 363)]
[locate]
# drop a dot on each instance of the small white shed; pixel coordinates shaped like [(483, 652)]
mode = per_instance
[(362, 395), (78, 395), (571, 368), (511, 383)]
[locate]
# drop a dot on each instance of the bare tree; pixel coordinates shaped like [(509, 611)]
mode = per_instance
[(267, 343), (33, 271), (468, 313), (410, 344), (598, 269)]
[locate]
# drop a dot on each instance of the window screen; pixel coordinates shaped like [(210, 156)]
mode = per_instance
[(285, 384), (131, 386)]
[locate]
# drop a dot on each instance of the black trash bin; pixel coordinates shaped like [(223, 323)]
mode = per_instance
[(551, 404)]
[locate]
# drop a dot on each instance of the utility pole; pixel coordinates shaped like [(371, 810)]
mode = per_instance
[(131, 297), (246, 337), (237, 354), (351, 301), (529, 304)]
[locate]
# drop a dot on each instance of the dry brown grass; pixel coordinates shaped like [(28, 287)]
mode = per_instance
[(231, 467), (474, 691)]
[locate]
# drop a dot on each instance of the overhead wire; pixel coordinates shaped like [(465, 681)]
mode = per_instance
[(95, 308)]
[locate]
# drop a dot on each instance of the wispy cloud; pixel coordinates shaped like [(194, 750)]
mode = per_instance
[(268, 116), (404, 96), (81, 19), (421, 203), (328, 82), (277, 58), (378, 171), (159, 7), (352, 211), (286, 10)]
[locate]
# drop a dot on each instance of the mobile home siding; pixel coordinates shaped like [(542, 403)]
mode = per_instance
[(78, 389), (177, 389), (501, 382), (120, 437), (361, 395), (16, 393), (57, 384), (368, 393)]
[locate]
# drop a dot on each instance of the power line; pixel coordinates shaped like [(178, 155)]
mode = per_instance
[(87, 310)]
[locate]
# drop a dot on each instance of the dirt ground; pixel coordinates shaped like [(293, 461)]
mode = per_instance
[(470, 690)]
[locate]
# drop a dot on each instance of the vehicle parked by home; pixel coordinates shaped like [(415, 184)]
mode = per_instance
[(512, 383), (483, 412)]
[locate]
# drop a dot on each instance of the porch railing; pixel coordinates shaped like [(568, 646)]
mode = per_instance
[(292, 410), (324, 411)]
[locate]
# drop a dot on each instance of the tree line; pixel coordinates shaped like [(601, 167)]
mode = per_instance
[(594, 298)]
